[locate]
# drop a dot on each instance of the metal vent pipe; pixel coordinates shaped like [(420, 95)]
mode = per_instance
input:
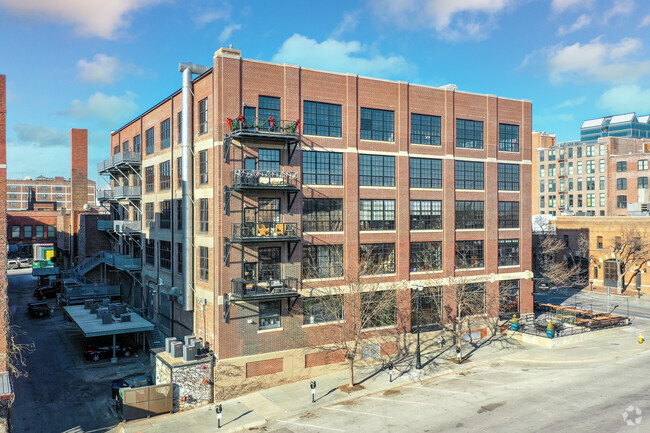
[(187, 182)]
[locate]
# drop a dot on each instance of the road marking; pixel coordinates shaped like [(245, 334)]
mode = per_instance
[(357, 411), (311, 425)]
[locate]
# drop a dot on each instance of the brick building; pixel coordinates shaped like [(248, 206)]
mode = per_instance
[(605, 176), (44, 189), (324, 161)]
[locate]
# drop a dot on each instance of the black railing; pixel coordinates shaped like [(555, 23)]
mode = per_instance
[(263, 179), (250, 289), (264, 231), (257, 125)]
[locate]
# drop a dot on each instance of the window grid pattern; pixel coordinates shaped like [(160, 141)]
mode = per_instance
[(377, 258), (621, 166), (509, 214), (377, 124), (425, 173), (508, 252), (469, 254), (469, 134), (426, 256), (149, 137), (426, 214), (322, 119), (377, 214), (376, 170), (149, 180), (322, 261), (469, 175), (204, 215), (166, 214), (322, 168), (165, 134), (150, 252), (269, 106), (322, 215), (621, 184), (203, 167), (203, 116), (323, 309), (425, 129), (165, 256), (508, 177), (204, 272), (469, 214), (508, 137), (269, 159), (165, 175)]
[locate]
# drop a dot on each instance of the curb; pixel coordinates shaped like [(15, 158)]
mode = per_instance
[(248, 426)]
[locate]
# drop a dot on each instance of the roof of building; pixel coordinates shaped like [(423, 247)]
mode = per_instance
[(593, 122), (643, 119), (91, 326), (622, 118)]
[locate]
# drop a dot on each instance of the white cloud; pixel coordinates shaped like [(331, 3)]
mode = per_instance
[(347, 24), (41, 136), (103, 18), (340, 56), (102, 69), (560, 6), (621, 7), (645, 21), (207, 17), (228, 31), (458, 19), (568, 103), (582, 22), (597, 61), (626, 99), (108, 110)]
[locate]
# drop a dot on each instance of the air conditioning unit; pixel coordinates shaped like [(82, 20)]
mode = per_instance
[(87, 304), (188, 338), (112, 308), (120, 309), (198, 345), (189, 353), (93, 308), (106, 302), (176, 349), (126, 317), (107, 318), (100, 312), (168, 344)]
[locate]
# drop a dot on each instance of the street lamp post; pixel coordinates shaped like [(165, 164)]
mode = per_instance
[(418, 294)]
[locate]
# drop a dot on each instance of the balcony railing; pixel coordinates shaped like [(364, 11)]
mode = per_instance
[(262, 179), (105, 195), (265, 232), (126, 158), (119, 226), (263, 127), (264, 289), (127, 192)]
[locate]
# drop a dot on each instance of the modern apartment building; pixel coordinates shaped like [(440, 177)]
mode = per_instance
[(606, 177), (44, 189), (294, 174)]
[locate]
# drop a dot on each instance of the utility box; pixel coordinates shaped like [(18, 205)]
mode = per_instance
[(107, 318), (120, 309), (176, 349), (93, 308), (101, 311), (188, 338), (198, 345), (189, 353), (168, 344)]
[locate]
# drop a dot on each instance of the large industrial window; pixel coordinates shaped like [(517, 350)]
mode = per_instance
[(204, 273), (322, 119), (377, 214), (136, 144), (426, 214), (322, 261), (469, 214), (165, 175), (149, 179), (150, 141), (269, 160), (165, 256), (203, 116), (469, 254), (166, 214), (426, 256), (268, 210), (508, 177), (165, 134), (270, 314), (508, 137), (376, 170), (150, 252), (428, 316), (322, 168), (179, 172), (469, 175), (51, 231), (125, 146), (380, 308), (203, 167), (322, 215), (425, 173), (269, 106), (149, 215), (425, 129), (179, 125), (377, 124), (509, 214), (508, 252), (204, 215), (469, 134), (322, 309), (508, 297), (377, 259)]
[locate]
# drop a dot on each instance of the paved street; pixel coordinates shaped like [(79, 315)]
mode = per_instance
[(62, 392)]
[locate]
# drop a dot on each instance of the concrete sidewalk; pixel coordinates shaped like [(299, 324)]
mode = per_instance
[(256, 409)]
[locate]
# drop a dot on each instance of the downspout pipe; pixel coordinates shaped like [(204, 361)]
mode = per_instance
[(187, 181)]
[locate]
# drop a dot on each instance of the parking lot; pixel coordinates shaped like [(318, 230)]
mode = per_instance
[(62, 392)]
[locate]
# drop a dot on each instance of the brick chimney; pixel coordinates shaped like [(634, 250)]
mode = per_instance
[(78, 172)]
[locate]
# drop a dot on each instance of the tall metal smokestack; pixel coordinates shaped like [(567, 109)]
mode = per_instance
[(187, 180)]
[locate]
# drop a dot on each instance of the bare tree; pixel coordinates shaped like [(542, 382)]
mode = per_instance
[(631, 252), (14, 357), (349, 317), (558, 265)]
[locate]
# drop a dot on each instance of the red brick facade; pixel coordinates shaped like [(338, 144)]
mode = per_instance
[(38, 223), (4, 308), (234, 83)]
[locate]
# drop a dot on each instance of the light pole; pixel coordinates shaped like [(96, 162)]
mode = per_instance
[(418, 294)]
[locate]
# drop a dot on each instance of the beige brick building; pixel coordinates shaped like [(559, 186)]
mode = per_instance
[(44, 189)]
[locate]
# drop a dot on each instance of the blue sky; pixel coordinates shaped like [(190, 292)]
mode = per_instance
[(96, 64)]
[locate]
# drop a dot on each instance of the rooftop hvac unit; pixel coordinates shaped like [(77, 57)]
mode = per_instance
[(189, 353), (106, 302), (112, 308), (93, 308), (107, 318), (126, 317), (198, 345), (120, 309), (176, 349), (187, 339), (100, 312), (87, 304), (168, 344)]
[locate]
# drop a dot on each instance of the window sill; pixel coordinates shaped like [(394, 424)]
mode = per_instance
[(316, 280), (426, 230), (379, 328), (425, 144), (425, 189), (482, 268), (378, 275), (510, 190), (322, 136), (470, 148), (322, 233), (319, 185), (471, 230), (313, 325), (377, 141), (470, 190), (266, 331), (377, 231), (509, 228), (376, 187), (436, 271), (508, 266)]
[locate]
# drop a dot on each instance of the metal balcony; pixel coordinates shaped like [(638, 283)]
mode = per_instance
[(265, 232), (243, 289), (120, 161), (264, 180), (127, 192), (119, 226), (251, 129), (104, 195)]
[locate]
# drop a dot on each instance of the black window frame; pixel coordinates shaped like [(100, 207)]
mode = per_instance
[(508, 177), (379, 212), (204, 263), (377, 258), (470, 254), (203, 167), (509, 215), (621, 202), (322, 119), (322, 215), (322, 261), (621, 184), (203, 116), (204, 215), (425, 214), (621, 166), (642, 182), (377, 125), (149, 179), (150, 215), (378, 318), (269, 106), (425, 256), (508, 137), (270, 314), (150, 141), (425, 129), (425, 173), (470, 214), (150, 252), (323, 309), (509, 252), (376, 170), (165, 134), (466, 175), (469, 134), (269, 159), (164, 175), (322, 168), (165, 254), (136, 143), (165, 215)]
